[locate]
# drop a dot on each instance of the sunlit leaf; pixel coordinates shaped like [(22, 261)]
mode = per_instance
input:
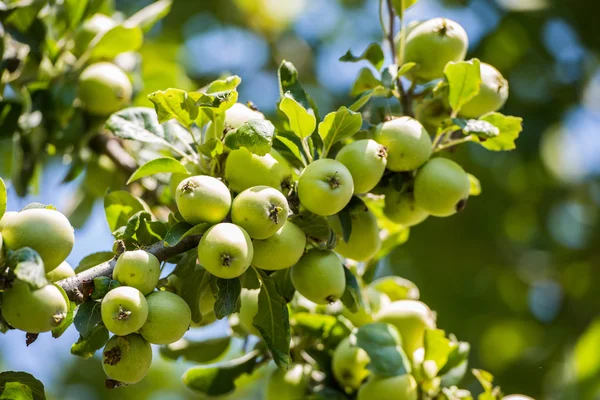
[(174, 104), (302, 123), (157, 166), (149, 15), (509, 127), (256, 135), (28, 266), (36, 388), (339, 125), (202, 352), (372, 54), (115, 41), (464, 80)]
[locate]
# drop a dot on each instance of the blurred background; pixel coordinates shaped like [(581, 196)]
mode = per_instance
[(516, 274)]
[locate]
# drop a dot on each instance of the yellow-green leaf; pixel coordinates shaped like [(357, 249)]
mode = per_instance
[(464, 80), (302, 123), (159, 165)]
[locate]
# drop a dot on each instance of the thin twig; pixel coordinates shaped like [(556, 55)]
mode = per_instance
[(451, 143)]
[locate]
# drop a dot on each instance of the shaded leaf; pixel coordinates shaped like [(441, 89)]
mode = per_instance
[(205, 351), (149, 15), (382, 343), (464, 80), (378, 91), (313, 225), (36, 388), (93, 259), (365, 81), (103, 285), (284, 283), (256, 135), (352, 297), (120, 206), (302, 123), (181, 230), (212, 148), (87, 318), (28, 267), (228, 297), (117, 40), (157, 166), (372, 54), (68, 320), (86, 348), (456, 366)]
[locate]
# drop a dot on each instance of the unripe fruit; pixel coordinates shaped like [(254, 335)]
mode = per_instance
[(225, 250), (46, 231), (319, 276), (7, 215), (401, 208), (364, 241), (127, 359), (238, 114), (402, 387), (104, 89), (203, 198), (169, 318), (280, 251), (408, 143), (287, 385), (325, 187), (517, 397), (248, 309), (138, 269), (441, 187), (63, 271), (432, 44), (349, 364), (98, 23), (365, 315), (244, 170), (124, 310), (492, 95), (366, 160), (411, 318), (260, 210), (33, 310), (206, 303)]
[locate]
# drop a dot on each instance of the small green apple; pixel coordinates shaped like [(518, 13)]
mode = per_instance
[(349, 364), (408, 143), (364, 241), (492, 95), (248, 309), (124, 310), (375, 300), (225, 250), (169, 318), (280, 251), (63, 271), (401, 387), (432, 44), (138, 269), (244, 170), (206, 303), (441, 187), (7, 215), (401, 208), (203, 198), (517, 397), (103, 89), (319, 276), (366, 160), (238, 114), (260, 210), (46, 231), (127, 359), (325, 187), (33, 310), (287, 385)]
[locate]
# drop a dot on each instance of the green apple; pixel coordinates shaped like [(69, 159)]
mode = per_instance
[(225, 250), (375, 300), (319, 276), (280, 251), (432, 44), (98, 23), (364, 241), (124, 310), (244, 170), (401, 208), (239, 114), (7, 215), (46, 231), (441, 187), (103, 89), (206, 303), (395, 288), (138, 269), (517, 397), (203, 198), (248, 309), (401, 387), (127, 359), (260, 210), (169, 318), (492, 95), (349, 364), (33, 310), (63, 271), (287, 385), (408, 143), (325, 187), (366, 160), (411, 318)]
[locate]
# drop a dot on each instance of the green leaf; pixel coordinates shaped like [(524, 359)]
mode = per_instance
[(157, 166), (67, 321), (228, 297), (437, 349), (202, 352), (364, 82), (382, 343), (402, 5), (456, 366), (149, 15), (219, 379), (218, 102), (464, 80), (15, 391), (86, 348), (292, 143), (181, 230), (221, 85), (120, 206), (256, 135), (396, 288), (119, 39), (313, 225), (302, 123), (3, 198), (174, 104), (134, 223), (93, 259), (378, 91), (475, 189), (352, 297), (484, 378), (103, 285), (87, 318), (405, 68), (272, 320), (509, 127), (36, 388), (324, 327), (195, 280), (346, 224), (28, 267), (284, 283), (289, 83), (586, 354), (477, 127), (372, 54), (212, 148), (339, 125), (137, 123)]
